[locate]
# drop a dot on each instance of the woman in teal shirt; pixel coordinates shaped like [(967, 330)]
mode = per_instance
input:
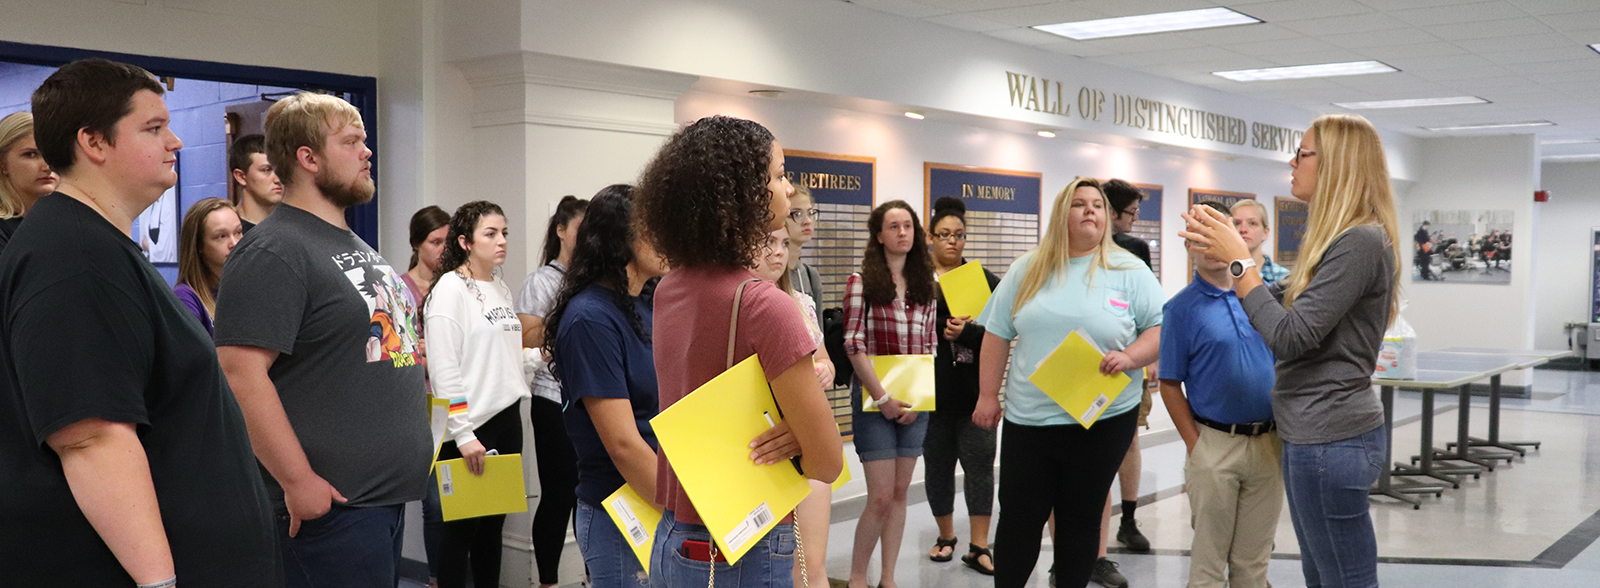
[(1076, 279)]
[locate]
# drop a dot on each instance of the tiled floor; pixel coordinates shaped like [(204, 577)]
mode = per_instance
[(1514, 513)]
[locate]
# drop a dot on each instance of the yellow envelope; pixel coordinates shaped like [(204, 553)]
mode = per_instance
[(636, 518), (1071, 377), (438, 415), (499, 490), (844, 472), (965, 289), (905, 377), (706, 437)]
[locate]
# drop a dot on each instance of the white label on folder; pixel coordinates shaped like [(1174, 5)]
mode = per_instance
[(1094, 408), (445, 487), (747, 530), (636, 532)]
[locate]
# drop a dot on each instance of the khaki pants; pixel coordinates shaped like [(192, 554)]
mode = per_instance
[(1235, 487)]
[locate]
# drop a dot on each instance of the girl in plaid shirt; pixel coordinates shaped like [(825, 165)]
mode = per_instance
[(889, 309)]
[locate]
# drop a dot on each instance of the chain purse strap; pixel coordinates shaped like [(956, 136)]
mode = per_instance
[(799, 547)]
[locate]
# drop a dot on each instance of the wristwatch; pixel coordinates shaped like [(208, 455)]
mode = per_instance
[(1239, 266)]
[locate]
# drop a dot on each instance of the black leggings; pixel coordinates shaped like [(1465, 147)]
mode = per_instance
[(1065, 468), (953, 436), (558, 486), (478, 537)]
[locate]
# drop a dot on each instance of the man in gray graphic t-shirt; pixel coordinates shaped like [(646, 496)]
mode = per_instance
[(317, 335)]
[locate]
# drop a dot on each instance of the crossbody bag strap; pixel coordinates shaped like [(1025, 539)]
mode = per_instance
[(733, 321)]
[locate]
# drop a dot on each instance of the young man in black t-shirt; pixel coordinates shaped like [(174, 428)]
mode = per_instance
[(318, 336), (125, 457)]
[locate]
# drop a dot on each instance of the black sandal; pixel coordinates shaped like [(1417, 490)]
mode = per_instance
[(971, 559), (942, 543)]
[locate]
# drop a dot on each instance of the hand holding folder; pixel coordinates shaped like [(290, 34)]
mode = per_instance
[(1071, 376), (905, 377), (706, 438), (500, 490), (637, 519), (966, 290)]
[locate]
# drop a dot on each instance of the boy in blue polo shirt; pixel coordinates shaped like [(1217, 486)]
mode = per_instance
[(1235, 484)]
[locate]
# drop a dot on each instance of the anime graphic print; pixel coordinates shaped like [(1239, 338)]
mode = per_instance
[(393, 330)]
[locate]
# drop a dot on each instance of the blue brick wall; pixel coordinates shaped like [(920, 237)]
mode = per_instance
[(198, 109)]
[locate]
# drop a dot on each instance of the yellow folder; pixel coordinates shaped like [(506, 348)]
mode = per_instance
[(1071, 377), (844, 472), (905, 377), (499, 490), (706, 437), (636, 518), (965, 289)]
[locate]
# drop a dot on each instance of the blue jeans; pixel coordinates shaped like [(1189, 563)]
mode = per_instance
[(1327, 487), (349, 547), (606, 553), (878, 438), (770, 563)]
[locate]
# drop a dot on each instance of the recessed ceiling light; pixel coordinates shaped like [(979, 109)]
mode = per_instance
[(1595, 47), (914, 115), (1047, 134), (1569, 141), (1143, 24), (767, 93), (1504, 125), (1319, 70), (1411, 103)]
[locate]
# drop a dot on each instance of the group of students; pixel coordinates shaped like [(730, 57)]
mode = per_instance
[(278, 444)]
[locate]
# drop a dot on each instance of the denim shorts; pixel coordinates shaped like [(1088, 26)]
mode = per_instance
[(606, 553), (878, 438), (768, 564)]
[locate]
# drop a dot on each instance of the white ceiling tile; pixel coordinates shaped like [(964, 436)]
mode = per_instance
[(1437, 62), (1292, 10), (1532, 69), (1409, 4), (1314, 57), (1417, 50), (1540, 55), (1519, 43), (903, 7), (1577, 21), (1078, 48), (1462, 73), (1242, 34), (1026, 36), (1299, 45), (1138, 7), (1205, 54), (1544, 7), (1140, 43), (974, 5), (1382, 38), (1483, 30), (1128, 60), (969, 22), (1438, 15), (1338, 25), (1042, 14)]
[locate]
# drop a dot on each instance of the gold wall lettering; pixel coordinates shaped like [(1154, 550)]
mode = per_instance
[(1031, 93), (820, 181), (988, 192)]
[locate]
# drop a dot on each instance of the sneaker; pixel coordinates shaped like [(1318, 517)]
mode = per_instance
[(1105, 573), (1128, 535)]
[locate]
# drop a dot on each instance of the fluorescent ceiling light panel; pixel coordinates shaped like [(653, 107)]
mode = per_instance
[(1504, 125), (1595, 47), (1145, 24), (1295, 72), (1569, 141), (1411, 103), (1584, 156)]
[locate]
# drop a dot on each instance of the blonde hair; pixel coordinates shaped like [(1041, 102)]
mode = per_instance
[(1050, 258), (192, 268), (304, 120), (13, 128), (1352, 190), (1261, 209)]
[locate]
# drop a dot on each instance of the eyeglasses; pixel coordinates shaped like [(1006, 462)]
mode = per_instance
[(1302, 154), (799, 215), (955, 237)]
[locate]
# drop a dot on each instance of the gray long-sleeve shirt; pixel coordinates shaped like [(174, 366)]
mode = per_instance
[(1327, 342)]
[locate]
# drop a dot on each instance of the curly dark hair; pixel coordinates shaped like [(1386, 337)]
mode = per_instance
[(948, 206), (569, 208), (601, 258), (877, 286), (704, 200), (464, 223)]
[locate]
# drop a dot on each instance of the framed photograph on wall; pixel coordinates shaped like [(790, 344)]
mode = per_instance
[(1289, 229), (157, 228), (1004, 209)]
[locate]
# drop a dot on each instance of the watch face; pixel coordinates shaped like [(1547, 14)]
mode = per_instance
[(1237, 269)]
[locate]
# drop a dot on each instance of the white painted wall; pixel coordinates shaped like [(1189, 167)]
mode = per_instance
[(1476, 173), (1564, 251), (902, 145)]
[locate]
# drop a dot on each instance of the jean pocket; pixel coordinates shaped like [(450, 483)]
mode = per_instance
[(782, 541), (1376, 447)]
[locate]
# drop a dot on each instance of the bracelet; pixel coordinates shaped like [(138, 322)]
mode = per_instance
[(167, 583)]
